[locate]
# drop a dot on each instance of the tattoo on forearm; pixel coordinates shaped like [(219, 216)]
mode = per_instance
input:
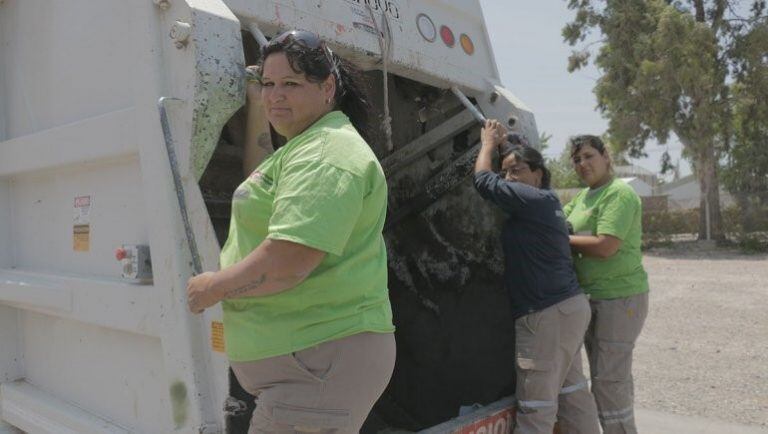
[(251, 286)]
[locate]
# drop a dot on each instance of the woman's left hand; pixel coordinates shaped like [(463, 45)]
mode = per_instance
[(200, 294)]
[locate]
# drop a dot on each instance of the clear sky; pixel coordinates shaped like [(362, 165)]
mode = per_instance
[(532, 60)]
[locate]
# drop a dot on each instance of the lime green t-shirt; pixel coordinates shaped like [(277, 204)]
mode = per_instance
[(616, 210), (324, 189)]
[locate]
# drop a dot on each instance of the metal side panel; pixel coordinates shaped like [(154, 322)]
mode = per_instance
[(5, 222), (37, 412), (6, 428), (112, 304), (197, 380), (102, 137), (63, 62), (417, 54), (49, 221), (81, 121), (116, 375), (4, 65), (11, 358)]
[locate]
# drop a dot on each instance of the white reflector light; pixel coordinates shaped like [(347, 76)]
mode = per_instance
[(426, 27)]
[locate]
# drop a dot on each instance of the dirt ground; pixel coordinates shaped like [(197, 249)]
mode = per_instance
[(704, 348)]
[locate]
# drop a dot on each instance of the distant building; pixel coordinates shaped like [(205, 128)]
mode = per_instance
[(643, 181), (685, 193), (632, 171), (641, 187)]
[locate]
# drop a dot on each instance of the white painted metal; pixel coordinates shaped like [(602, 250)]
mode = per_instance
[(81, 348), (348, 24), (11, 360), (33, 410), (78, 142), (79, 82), (5, 218), (6, 428), (64, 62)]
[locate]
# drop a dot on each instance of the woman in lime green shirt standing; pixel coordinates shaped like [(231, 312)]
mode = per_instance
[(303, 281), (607, 219)]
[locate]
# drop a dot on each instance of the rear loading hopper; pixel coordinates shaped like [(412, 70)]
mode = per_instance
[(89, 343)]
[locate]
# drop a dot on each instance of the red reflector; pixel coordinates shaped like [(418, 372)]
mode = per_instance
[(120, 254), (447, 35)]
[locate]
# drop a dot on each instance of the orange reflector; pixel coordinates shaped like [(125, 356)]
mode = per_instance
[(467, 44), (447, 35)]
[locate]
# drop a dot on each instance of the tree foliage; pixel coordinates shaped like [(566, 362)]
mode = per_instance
[(673, 67), (746, 169), (561, 168)]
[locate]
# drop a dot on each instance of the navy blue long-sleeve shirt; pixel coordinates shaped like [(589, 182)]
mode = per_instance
[(538, 269)]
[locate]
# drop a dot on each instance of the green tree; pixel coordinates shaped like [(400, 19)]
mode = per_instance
[(746, 170), (668, 68), (544, 139), (561, 168)]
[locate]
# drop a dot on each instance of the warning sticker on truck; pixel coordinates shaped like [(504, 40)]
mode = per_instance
[(217, 336), (81, 228), (81, 238)]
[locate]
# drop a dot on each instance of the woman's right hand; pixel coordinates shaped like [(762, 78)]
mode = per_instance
[(493, 133), (200, 293)]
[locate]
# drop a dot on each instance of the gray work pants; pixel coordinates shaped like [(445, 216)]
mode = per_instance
[(325, 389), (550, 381), (610, 341)]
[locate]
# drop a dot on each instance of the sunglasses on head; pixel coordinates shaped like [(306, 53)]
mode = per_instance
[(307, 40)]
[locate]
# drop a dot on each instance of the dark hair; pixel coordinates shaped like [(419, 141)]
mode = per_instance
[(319, 62), (578, 142), (529, 156)]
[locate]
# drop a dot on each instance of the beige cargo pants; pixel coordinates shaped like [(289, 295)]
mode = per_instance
[(550, 381), (328, 389), (610, 341)]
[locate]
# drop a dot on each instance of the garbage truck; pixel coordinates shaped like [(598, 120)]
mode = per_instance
[(121, 142)]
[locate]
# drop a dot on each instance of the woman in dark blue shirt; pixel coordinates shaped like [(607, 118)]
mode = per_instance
[(551, 311)]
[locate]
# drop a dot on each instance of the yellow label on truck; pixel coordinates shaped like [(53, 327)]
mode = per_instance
[(217, 336)]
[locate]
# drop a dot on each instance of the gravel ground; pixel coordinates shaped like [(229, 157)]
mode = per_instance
[(704, 348)]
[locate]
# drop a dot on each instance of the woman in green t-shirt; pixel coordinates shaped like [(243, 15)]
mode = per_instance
[(606, 219), (303, 281)]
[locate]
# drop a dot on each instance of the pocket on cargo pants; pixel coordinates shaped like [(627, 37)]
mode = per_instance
[(618, 325), (279, 418), (536, 341), (614, 361)]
